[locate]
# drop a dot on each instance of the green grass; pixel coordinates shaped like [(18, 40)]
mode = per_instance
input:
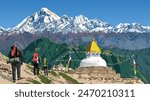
[(35, 82), (44, 79), (29, 66), (53, 73), (68, 78)]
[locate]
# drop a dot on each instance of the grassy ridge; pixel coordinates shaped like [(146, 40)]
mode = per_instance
[(68, 78), (53, 73), (35, 82), (44, 79)]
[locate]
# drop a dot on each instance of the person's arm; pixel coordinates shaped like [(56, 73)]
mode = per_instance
[(8, 57), (21, 58), (39, 60), (47, 64)]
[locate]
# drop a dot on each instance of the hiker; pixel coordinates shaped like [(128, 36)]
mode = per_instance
[(35, 62), (19, 55), (45, 67), (15, 58)]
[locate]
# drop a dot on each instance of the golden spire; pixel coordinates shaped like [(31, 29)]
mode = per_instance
[(93, 47)]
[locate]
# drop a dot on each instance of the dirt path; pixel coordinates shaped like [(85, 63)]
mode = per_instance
[(6, 75)]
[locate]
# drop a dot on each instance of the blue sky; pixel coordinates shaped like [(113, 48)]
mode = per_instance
[(12, 12)]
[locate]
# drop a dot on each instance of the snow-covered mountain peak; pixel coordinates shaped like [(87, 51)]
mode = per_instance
[(122, 25), (45, 9), (38, 21), (133, 27), (136, 24), (80, 19), (66, 17), (1, 29), (4, 29), (49, 12)]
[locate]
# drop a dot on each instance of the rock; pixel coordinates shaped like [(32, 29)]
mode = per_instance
[(59, 67), (5, 67)]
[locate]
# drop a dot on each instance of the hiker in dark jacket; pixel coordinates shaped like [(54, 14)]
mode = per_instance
[(15, 58)]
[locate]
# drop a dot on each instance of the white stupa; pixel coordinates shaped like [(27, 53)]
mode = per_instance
[(93, 57)]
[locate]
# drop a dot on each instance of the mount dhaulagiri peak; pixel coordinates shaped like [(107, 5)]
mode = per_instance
[(46, 20)]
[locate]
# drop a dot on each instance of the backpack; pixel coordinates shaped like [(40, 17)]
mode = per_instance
[(13, 52), (35, 58), (18, 53), (13, 57)]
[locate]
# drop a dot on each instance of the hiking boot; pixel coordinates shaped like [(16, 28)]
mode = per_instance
[(14, 81)]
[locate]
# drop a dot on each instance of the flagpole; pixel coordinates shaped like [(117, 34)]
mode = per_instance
[(134, 64), (67, 66)]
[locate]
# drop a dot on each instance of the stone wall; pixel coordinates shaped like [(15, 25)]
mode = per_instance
[(100, 75)]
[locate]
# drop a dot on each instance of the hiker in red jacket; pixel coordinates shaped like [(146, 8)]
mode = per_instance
[(35, 62)]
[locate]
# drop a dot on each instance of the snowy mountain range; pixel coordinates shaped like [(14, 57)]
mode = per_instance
[(74, 31), (46, 20)]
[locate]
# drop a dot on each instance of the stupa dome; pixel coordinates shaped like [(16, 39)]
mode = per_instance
[(93, 56)]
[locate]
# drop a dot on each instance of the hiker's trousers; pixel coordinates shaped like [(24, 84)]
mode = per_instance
[(36, 68), (16, 66), (45, 71)]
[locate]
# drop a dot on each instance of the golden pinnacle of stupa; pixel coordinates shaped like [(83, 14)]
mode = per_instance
[(93, 47)]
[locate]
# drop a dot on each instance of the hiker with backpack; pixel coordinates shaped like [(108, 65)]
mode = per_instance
[(15, 58), (45, 66), (35, 62)]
